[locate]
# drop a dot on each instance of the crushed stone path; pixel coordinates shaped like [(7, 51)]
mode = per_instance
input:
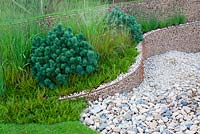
[(166, 102)]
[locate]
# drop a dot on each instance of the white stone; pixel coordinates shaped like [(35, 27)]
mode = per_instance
[(134, 109), (93, 127), (187, 109), (180, 116), (194, 128), (140, 130), (116, 129), (96, 109), (175, 114), (183, 127), (156, 116), (143, 110), (152, 125), (89, 121), (149, 118), (140, 117), (165, 119), (156, 133), (131, 132), (115, 121)]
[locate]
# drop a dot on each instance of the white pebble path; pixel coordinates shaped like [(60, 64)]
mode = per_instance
[(166, 102)]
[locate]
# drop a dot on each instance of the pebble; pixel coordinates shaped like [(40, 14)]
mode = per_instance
[(166, 102), (102, 126), (194, 128), (89, 121), (116, 129), (165, 119), (140, 117), (128, 116), (95, 110)]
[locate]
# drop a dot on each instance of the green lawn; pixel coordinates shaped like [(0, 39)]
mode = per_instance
[(70, 127)]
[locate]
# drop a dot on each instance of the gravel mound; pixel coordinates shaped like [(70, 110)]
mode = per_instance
[(167, 102)]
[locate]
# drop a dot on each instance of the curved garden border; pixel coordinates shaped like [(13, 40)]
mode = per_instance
[(184, 37)]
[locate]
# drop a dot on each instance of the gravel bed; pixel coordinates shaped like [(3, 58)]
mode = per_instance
[(167, 102)]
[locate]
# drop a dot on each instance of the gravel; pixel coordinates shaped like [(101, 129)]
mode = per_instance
[(166, 102)]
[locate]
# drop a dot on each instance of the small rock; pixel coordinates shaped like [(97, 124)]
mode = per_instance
[(124, 124), (196, 104), (89, 121), (152, 124), (115, 121), (164, 109), (116, 129), (152, 84), (131, 132), (180, 116), (167, 114), (143, 110), (183, 127), (149, 118), (140, 101), (171, 125), (194, 128), (128, 116), (102, 126), (93, 127), (166, 132), (140, 117), (104, 131), (175, 114), (103, 116), (198, 118), (95, 110), (184, 103), (140, 130), (134, 109), (156, 116), (155, 133), (100, 99), (190, 132), (178, 97), (165, 119)]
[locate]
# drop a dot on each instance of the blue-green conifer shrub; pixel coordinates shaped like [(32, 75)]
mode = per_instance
[(117, 18), (60, 54)]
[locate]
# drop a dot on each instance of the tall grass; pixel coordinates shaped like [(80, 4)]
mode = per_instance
[(92, 24), (154, 23), (2, 88), (14, 10), (15, 42)]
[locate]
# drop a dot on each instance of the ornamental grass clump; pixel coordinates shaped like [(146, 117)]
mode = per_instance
[(119, 19), (59, 55)]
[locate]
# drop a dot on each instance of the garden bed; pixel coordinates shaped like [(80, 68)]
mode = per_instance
[(26, 102), (183, 38)]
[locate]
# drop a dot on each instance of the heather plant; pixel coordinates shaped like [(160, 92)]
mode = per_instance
[(59, 55), (119, 19)]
